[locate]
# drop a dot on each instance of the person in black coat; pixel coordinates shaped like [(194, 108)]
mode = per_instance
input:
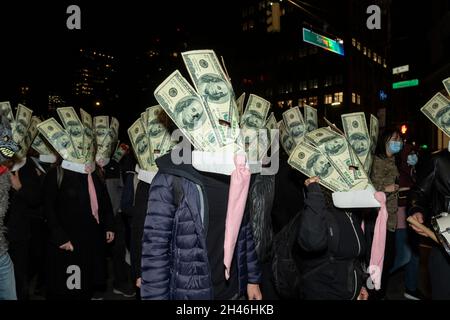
[(76, 250), (333, 249), (24, 211)]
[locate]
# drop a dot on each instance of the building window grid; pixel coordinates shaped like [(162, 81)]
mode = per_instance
[(328, 99)]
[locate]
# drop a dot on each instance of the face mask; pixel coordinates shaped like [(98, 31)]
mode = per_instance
[(412, 159), (395, 146)]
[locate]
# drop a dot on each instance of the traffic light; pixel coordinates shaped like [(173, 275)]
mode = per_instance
[(273, 18), (403, 128)]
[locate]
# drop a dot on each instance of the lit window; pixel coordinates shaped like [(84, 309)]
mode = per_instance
[(339, 97), (369, 53), (315, 83), (374, 57), (251, 24), (354, 42), (313, 101), (302, 102), (328, 99), (379, 59), (384, 63), (303, 85), (289, 103), (358, 99), (358, 45), (353, 97), (328, 81), (364, 50)]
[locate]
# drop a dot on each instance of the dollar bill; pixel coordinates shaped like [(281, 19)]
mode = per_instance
[(295, 124), (6, 111), (141, 145), (374, 133), (29, 137), (240, 104), (311, 162), (114, 132), (52, 131), (213, 85), (255, 114), (40, 146), (157, 133), (355, 128), (336, 148), (271, 124), (186, 109), (437, 109), (86, 119), (120, 151), (446, 83), (287, 142), (89, 146), (23, 120), (144, 120), (73, 126), (311, 118)]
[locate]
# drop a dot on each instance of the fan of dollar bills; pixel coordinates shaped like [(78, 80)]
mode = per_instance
[(149, 138), (24, 126), (342, 160), (208, 115), (437, 109), (77, 141)]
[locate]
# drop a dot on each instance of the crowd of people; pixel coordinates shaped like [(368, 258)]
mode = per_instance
[(59, 229)]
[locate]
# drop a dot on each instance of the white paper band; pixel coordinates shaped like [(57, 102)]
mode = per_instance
[(83, 168), (356, 199), (47, 158), (145, 176)]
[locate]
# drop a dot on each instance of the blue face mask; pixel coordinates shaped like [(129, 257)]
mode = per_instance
[(395, 146), (412, 159)]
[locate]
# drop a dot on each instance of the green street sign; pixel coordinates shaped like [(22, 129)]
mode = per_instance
[(323, 42), (405, 84)]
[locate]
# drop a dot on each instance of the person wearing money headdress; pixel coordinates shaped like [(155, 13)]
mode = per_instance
[(25, 223), (429, 198), (197, 241), (79, 217), (385, 178), (7, 150)]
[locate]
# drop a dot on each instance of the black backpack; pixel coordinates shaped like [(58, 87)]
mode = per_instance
[(288, 256), (285, 264)]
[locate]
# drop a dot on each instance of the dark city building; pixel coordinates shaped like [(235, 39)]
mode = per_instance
[(285, 70)]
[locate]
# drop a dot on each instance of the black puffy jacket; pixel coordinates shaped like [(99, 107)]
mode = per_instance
[(431, 194), (333, 249)]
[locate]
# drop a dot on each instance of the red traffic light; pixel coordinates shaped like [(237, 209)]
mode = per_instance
[(403, 128)]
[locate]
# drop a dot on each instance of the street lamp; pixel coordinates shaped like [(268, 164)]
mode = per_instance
[(97, 103)]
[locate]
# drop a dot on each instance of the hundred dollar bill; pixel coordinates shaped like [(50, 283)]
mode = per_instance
[(355, 128), (311, 118), (89, 146), (446, 83), (336, 148), (114, 133), (157, 133), (437, 109), (29, 137), (186, 109), (144, 120), (213, 85), (52, 131), (271, 124), (101, 128), (120, 151), (23, 120), (374, 132), (6, 110), (286, 141), (295, 124), (311, 162), (141, 145), (40, 146), (240, 104), (73, 126), (86, 119), (255, 113)]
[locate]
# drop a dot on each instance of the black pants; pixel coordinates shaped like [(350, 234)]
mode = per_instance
[(19, 253), (439, 270), (121, 270)]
